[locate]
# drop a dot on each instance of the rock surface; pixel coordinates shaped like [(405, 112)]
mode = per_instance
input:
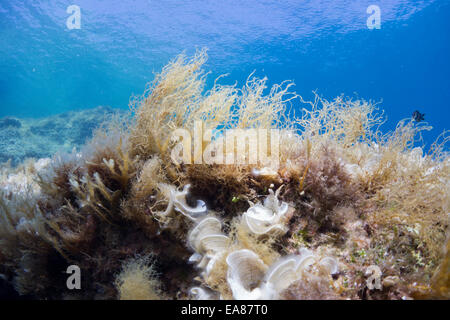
[(22, 138)]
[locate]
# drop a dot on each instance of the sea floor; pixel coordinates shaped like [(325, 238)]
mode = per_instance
[(22, 138)]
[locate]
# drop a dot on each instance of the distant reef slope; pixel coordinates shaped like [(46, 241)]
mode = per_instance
[(22, 138)]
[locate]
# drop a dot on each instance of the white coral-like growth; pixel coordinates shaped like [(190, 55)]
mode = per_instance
[(23, 181), (265, 172), (267, 217), (249, 278), (286, 271), (208, 242), (245, 271), (177, 200), (199, 293)]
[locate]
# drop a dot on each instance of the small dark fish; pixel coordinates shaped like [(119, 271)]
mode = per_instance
[(417, 116)]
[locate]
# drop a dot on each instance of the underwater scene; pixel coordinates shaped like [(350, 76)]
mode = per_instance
[(219, 150)]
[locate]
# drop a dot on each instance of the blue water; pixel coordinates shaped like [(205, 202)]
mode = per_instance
[(45, 68)]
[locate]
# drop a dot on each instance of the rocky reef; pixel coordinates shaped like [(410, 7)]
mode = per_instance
[(346, 211), (23, 138)]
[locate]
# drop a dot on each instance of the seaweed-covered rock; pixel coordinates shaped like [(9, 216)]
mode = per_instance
[(359, 214)]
